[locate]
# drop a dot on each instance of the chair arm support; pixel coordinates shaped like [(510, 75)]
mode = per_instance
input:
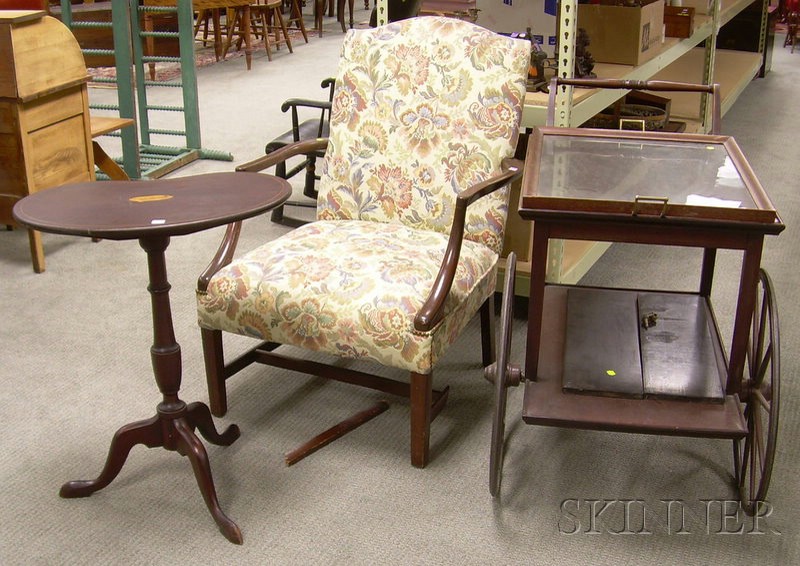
[(227, 247), (328, 83), (432, 311), (277, 156), (223, 256), (306, 103)]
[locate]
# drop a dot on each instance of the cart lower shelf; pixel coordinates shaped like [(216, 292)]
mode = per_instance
[(546, 402)]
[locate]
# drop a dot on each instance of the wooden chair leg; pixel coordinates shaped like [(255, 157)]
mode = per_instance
[(282, 26), (340, 14), (277, 26), (215, 16), (215, 370), (319, 11), (421, 399), (488, 351), (260, 17), (205, 21), (233, 24), (309, 188), (296, 16), (350, 6)]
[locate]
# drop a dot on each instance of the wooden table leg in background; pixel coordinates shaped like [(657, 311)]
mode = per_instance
[(248, 43), (37, 251), (101, 125)]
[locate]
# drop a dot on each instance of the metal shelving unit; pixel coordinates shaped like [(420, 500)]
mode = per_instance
[(576, 108)]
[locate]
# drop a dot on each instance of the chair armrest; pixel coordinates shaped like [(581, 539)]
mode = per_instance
[(227, 247), (328, 83), (284, 153), (432, 311), (223, 256), (305, 103)]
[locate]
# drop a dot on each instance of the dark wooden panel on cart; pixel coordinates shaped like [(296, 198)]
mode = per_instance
[(680, 355), (601, 355)]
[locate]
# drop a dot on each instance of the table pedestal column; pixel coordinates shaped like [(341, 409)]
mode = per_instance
[(173, 426)]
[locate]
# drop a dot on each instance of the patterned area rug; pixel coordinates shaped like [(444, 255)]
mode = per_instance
[(204, 56)]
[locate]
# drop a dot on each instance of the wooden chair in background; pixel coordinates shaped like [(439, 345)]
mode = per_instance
[(268, 19), (302, 130), (296, 17)]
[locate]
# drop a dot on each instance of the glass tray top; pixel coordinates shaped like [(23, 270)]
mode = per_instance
[(683, 175)]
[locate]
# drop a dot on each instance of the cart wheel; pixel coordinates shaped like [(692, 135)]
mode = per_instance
[(760, 393), (502, 374)]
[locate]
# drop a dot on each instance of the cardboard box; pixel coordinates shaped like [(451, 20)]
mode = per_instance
[(622, 34)]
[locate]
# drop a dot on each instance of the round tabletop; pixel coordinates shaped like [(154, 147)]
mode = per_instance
[(121, 210)]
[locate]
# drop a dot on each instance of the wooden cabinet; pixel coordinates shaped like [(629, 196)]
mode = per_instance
[(45, 138)]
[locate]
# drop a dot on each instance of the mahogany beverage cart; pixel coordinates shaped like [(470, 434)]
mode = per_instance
[(647, 361)]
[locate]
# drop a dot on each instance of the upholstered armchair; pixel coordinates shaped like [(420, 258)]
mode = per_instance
[(411, 211)]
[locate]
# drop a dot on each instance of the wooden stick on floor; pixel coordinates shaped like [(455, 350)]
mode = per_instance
[(325, 438)]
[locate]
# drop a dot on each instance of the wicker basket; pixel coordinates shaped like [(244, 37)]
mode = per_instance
[(629, 117)]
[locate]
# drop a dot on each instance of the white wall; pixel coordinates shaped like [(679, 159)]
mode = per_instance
[(499, 15)]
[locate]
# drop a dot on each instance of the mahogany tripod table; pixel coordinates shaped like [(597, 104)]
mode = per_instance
[(152, 212)]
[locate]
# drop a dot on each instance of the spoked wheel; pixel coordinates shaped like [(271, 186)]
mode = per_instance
[(503, 375), (753, 456)]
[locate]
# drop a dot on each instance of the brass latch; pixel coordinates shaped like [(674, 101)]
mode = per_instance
[(640, 200)]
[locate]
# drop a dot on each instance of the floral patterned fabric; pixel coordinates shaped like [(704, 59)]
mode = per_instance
[(423, 109), (351, 288)]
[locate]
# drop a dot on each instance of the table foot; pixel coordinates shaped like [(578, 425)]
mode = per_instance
[(199, 415), (189, 445), (147, 432), (172, 431)]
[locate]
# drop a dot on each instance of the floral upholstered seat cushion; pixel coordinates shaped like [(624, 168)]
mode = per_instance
[(350, 288)]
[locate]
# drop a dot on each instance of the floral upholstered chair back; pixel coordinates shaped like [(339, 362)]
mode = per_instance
[(412, 125)]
